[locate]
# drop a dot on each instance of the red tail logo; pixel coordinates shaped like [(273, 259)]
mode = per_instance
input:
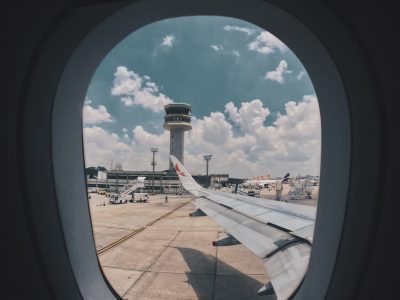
[(178, 170)]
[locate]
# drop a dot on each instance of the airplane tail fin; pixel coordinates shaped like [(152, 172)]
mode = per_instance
[(286, 178), (184, 176)]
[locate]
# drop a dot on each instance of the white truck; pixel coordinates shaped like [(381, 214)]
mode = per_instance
[(116, 199), (140, 197)]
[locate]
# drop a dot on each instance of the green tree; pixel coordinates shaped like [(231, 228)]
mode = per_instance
[(92, 171)]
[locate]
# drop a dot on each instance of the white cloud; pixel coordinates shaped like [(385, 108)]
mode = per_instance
[(301, 75), (277, 74), (291, 144), (168, 40), (135, 90), (217, 47), (239, 141), (267, 43), (126, 82), (124, 130), (250, 116), (220, 49), (248, 31), (102, 147), (93, 115)]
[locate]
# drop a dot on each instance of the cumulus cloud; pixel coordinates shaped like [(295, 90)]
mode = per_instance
[(136, 90), (238, 139), (267, 43), (243, 146), (277, 74), (168, 40), (93, 115), (250, 116), (248, 31), (102, 147)]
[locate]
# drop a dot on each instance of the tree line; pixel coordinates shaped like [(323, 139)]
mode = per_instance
[(92, 171)]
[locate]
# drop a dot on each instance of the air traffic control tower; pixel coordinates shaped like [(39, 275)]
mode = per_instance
[(177, 120)]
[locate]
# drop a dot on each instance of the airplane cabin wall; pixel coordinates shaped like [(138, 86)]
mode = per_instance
[(25, 27)]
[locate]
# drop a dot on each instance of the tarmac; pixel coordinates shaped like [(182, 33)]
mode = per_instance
[(155, 250)]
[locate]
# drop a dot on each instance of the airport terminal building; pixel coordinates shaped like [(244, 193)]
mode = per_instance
[(165, 182)]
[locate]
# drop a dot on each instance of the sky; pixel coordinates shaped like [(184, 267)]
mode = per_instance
[(254, 107)]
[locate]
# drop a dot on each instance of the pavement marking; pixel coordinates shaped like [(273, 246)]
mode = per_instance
[(145, 271), (112, 227), (215, 269), (128, 236)]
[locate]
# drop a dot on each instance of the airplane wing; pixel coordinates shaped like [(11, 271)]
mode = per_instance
[(279, 233)]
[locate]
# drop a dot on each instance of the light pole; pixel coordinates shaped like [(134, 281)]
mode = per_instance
[(153, 163), (207, 158)]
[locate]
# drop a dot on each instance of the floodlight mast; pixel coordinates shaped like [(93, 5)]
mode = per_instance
[(153, 164), (207, 158)]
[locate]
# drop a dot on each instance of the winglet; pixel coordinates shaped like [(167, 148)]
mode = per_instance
[(184, 176)]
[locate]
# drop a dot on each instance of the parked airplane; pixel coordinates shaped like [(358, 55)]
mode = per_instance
[(265, 183), (279, 233)]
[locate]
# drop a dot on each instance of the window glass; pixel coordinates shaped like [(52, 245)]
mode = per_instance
[(236, 94)]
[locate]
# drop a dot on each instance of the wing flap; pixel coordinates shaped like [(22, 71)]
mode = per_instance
[(287, 269), (306, 232)]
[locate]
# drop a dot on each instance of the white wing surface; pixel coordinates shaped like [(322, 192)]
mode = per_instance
[(279, 233)]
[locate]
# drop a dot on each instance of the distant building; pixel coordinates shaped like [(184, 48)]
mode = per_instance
[(219, 180), (113, 181), (164, 181)]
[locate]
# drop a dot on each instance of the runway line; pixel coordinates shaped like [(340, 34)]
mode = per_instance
[(128, 236)]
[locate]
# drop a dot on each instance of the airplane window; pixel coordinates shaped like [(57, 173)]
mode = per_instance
[(245, 124)]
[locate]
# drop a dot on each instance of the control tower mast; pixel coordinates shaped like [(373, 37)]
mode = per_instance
[(177, 120)]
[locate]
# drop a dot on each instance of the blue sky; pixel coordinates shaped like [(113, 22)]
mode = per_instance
[(252, 100)]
